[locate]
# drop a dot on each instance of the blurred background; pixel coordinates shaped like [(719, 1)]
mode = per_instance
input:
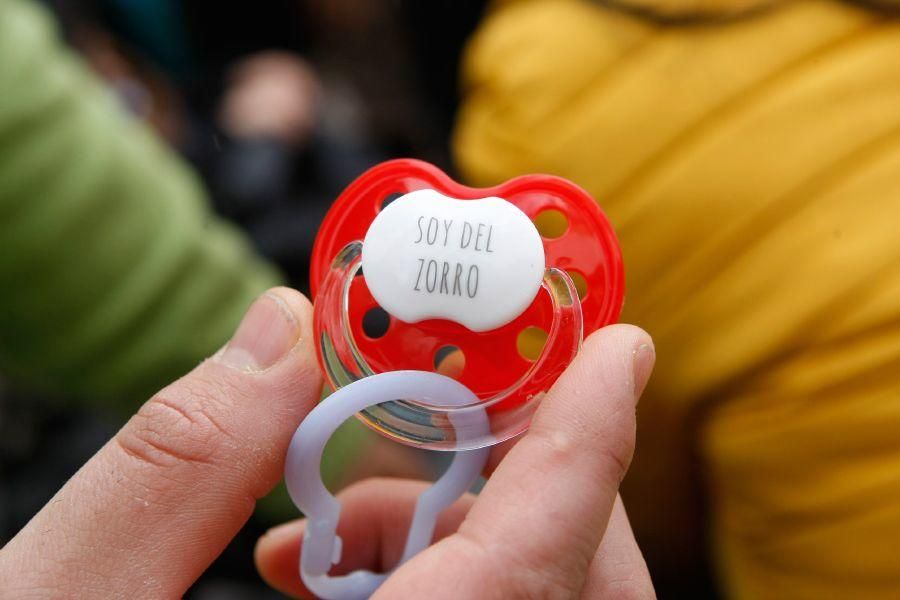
[(275, 106), (162, 162)]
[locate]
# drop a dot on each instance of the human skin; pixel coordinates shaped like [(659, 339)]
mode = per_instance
[(155, 506)]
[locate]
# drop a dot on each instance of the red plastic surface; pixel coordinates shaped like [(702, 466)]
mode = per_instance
[(492, 360)]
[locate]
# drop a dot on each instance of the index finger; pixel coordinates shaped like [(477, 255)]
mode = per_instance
[(548, 502)]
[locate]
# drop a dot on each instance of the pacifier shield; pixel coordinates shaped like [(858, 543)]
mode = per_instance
[(481, 337)]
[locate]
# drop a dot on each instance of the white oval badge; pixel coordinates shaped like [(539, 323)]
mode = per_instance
[(477, 262)]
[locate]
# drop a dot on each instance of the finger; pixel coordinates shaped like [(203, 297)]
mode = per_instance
[(153, 508), (375, 518), (618, 569), (498, 453), (540, 518)]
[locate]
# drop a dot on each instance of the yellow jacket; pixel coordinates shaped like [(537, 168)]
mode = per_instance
[(748, 154)]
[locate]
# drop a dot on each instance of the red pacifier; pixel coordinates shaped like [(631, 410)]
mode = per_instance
[(461, 271), (449, 267)]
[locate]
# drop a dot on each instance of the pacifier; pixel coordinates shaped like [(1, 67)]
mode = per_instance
[(443, 314), (464, 272)]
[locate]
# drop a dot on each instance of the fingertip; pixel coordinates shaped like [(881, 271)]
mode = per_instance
[(277, 539), (275, 324), (302, 366), (299, 304), (619, 336), (632, 343), (277, 557)]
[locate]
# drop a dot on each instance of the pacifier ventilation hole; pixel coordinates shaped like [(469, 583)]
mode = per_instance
[(450, 361), (551, 223), (376, 322), (580, 282), (530, 342)]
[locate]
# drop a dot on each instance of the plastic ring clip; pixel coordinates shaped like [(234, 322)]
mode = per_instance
[(321, 544)]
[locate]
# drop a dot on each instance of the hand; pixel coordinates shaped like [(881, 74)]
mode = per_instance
[(548, 524), (156, 505)]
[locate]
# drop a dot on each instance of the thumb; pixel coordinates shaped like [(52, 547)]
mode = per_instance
[(155, 506)]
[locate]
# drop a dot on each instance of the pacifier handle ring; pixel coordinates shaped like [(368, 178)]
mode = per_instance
[(321, 544)]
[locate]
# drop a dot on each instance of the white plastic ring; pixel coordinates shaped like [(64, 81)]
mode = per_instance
[(321, 544)]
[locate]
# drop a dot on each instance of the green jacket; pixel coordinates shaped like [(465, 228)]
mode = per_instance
[(115, 277)]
